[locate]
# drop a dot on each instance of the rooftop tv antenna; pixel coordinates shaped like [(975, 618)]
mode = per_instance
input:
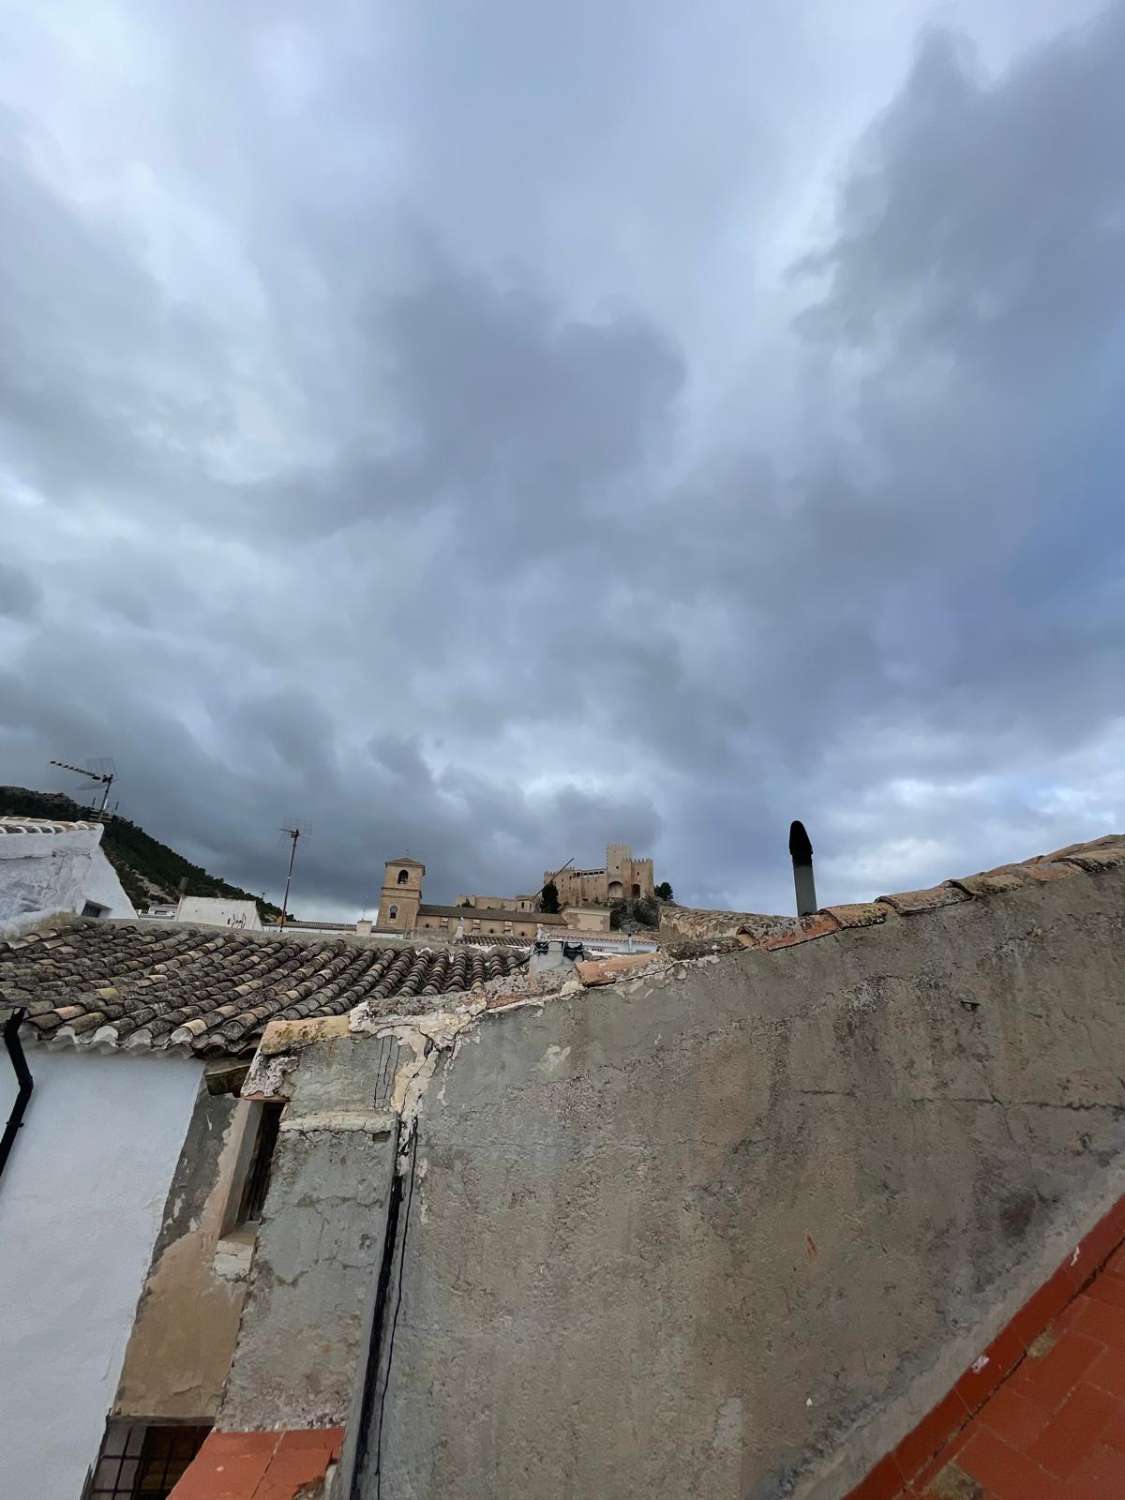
[(105, 777), (293, 834)]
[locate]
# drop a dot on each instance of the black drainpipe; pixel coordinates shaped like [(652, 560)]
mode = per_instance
[(26, 1082)]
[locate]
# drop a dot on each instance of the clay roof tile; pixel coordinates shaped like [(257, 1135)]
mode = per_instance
[(118, 984)]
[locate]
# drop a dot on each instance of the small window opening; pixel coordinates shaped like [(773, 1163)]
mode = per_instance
[(142, 1463), (403, 876), (95, 909), (392, 912), (261, 1163)]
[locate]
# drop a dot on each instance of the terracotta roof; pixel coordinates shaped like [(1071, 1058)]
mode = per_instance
[(494, 940), (785, 932), (1074, 859), (211, 990)]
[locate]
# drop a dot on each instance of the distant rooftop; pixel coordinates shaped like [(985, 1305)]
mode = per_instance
[(209, 990), (11, 823)]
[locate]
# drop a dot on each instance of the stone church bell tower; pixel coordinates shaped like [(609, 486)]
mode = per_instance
[(401, 895)]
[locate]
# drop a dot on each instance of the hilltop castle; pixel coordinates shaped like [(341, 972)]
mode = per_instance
[(585, 897), (621, 878)]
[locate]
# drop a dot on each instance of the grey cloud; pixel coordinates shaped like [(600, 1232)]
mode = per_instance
[(20, 596), (351, 516)]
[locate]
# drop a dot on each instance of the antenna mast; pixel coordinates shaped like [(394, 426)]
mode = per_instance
[(105, 777), (293, 834)]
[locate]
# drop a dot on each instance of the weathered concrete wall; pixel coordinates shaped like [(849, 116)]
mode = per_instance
[(302, 1342), (187, 1321), (730, 1230)]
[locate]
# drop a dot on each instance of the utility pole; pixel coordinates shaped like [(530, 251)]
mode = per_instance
[(106, 779), (293, 834), (800, 852)]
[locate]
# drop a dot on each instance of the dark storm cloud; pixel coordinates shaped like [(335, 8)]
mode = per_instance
[(19, 595), (370, 462)]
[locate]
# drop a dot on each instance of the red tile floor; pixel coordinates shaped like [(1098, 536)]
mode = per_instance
[(1041, 1415), (259, 1465)]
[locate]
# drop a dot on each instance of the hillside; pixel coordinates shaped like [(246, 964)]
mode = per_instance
[(150, 872)]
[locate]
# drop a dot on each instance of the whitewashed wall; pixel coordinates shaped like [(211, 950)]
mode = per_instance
[(217, 911), (81, 1201), (44, 873)]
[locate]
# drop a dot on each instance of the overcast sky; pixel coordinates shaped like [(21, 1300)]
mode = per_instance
[(482, 431)]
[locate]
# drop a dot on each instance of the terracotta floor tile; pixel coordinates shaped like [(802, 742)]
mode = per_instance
[(1014, 1418), (1094, 1250), (1098, 1320), (883, 1483), (1108, 1372), (1114, 1435), (979, 1381), (1075, 1429), (948, 1455), (285, 1485), (298, 1468), (1100, 1476), (1050, 1380), (1006, 1474), (232, 1478), (328, 1438), (1071, 1313), (1109, 1289), (1006, 1351), (919, 1446), (1042, 1306)]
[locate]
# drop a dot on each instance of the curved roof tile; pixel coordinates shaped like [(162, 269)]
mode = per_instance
[(120, 983)]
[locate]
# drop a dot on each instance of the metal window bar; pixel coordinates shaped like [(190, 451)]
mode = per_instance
[(166, 1453), (258, 1177), (143, 1463)]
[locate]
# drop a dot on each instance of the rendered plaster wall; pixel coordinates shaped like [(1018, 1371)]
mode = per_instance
[(187, 1321), (80, 1208), (730, 1231), (586, 919), (42, 874), (217, 911), (302, 1344)]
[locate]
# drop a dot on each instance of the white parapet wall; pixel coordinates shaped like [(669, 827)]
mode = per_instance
[(49, 868)]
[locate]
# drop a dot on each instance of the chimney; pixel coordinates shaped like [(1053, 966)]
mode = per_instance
[(800, 851)]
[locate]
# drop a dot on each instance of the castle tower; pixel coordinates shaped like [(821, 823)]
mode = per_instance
[(618, 870), (401, 895), (643, 881)]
